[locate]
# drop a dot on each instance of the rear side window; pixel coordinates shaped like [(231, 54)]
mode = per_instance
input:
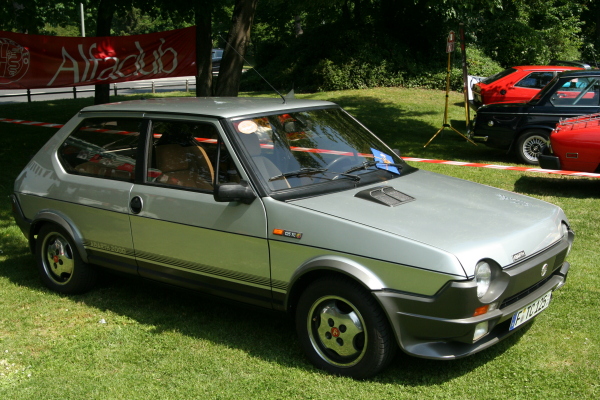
[(102, 148), (499, 75), (536, 80)]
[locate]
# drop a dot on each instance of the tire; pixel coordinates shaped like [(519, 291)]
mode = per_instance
[(59, 264), (343, 330), (530, 144)]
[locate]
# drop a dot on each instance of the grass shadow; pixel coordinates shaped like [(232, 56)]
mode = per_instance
[(559, 186)]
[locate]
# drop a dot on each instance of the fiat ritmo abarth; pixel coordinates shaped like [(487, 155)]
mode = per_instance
[(295, 206)]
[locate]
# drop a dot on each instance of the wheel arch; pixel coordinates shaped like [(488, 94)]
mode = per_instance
[(322, 266), (57, 218)]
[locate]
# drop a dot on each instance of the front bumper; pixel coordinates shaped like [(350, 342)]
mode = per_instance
[(442, 327), (547, 160)]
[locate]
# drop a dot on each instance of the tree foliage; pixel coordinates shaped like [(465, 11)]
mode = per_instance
[(337, 44)]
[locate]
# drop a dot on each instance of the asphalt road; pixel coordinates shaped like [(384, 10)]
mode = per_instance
[(145, 86)]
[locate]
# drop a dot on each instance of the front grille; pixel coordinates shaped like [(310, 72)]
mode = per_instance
[(513, 299)]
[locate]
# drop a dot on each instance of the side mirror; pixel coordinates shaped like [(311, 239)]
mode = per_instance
[(228, 192)]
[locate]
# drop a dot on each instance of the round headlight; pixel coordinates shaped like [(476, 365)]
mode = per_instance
[(483, 277)]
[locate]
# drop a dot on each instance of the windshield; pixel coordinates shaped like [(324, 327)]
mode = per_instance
[(315, 148)]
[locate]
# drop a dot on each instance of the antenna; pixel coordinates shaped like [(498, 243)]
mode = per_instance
[(254, 69)]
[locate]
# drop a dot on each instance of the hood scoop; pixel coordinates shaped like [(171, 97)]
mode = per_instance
[(386, 195)]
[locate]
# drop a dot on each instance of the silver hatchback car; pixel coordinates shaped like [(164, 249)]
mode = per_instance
[(291, 205)]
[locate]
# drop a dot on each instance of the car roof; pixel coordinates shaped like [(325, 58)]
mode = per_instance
[(546, 68), (580, 74), (223, 107)]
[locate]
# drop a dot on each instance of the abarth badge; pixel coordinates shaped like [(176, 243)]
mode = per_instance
[(518, 256)]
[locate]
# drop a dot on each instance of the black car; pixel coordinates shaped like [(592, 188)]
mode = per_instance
[(525, 127)]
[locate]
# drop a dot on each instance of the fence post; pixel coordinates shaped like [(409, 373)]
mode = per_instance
[(115, 88), (74, 92), (29, 95), (187, 85), (153, 89)]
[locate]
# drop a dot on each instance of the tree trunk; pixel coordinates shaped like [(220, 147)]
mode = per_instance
[(106, 10), (230, 72), (203, 17)]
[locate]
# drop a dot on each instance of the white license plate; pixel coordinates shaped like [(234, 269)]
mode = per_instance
[(530, 311)]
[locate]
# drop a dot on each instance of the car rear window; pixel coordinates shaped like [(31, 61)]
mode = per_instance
[(499, 75)]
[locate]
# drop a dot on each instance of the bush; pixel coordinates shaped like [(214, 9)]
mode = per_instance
[(357, 60), (357, 74)]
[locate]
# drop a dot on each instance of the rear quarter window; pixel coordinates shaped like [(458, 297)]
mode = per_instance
[(536, 80), (102, 148)]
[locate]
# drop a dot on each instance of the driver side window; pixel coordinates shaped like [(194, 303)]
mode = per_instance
[(184, 155)]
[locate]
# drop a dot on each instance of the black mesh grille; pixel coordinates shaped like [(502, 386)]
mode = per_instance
[(513, 299)]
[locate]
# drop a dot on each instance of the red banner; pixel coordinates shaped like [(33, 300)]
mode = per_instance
[(37, 61)]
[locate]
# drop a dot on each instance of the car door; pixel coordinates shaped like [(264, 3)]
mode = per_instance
[(528, 87), (99, 159), (181, 235)]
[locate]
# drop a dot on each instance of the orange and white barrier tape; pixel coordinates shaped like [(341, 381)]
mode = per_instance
[(506, 167), (412, 159)]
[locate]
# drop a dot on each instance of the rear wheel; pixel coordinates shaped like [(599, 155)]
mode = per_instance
[(343, 330), (530, 145), (59, 264)]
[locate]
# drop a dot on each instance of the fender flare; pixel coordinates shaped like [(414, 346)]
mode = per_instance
[(58, 218), (337, 264)]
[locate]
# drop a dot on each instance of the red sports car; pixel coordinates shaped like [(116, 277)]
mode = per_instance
[(516, 84), (574, 145)]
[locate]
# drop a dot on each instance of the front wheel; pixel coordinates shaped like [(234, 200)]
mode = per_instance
[(530, 144), (343, 330), (59, 264)]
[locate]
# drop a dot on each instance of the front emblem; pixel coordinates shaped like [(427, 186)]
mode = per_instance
[(544, 269), (518, 256)]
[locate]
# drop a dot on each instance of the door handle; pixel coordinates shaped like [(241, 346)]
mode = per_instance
[(136, 205)]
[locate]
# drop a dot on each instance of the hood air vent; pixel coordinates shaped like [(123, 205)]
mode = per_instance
[(385, 195)]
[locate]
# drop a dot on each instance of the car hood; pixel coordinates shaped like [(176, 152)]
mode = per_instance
[(469, 220)]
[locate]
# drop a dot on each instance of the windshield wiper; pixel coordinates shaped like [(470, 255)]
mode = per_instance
[(364, 165), (301, 171), (371, 163)]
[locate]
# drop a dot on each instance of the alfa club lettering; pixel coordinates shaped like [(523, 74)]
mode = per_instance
[(40, 61), (87, 66)]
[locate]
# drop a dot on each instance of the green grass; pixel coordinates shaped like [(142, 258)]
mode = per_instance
[(132, 340)]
